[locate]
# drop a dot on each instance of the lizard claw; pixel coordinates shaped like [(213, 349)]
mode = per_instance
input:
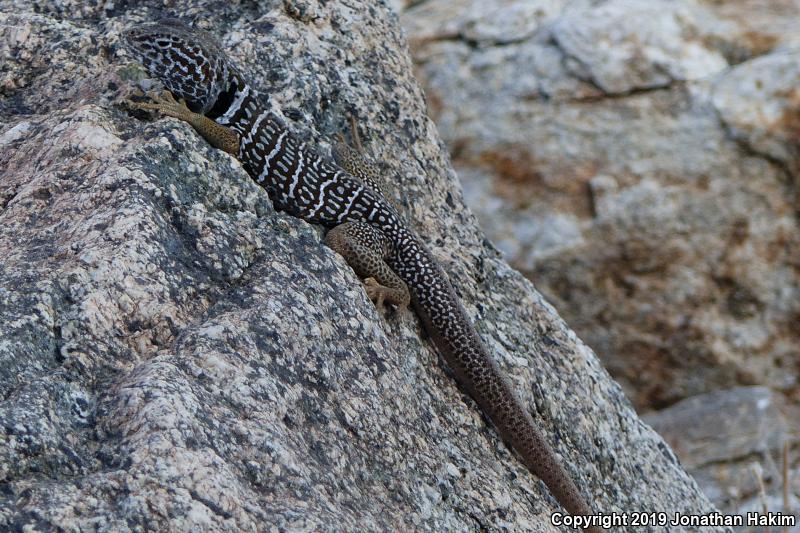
[(380, 294), (162, 98), (375, 291), (165, 104)]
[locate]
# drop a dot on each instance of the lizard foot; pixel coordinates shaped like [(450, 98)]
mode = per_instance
[(375, 291), (165, 104), (218, 135), (379, 294)]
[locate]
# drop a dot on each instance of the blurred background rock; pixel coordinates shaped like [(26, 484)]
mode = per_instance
[(638, 160)]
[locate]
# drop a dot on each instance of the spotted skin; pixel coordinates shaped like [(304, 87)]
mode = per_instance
[(366, 249), (354, 162), (306, 185)]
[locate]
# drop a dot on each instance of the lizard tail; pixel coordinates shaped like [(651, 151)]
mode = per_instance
[(451, 330)]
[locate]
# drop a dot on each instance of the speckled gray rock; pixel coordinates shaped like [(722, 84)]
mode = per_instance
[(723, 424), (175, 355), (759, 102), (627, 45)]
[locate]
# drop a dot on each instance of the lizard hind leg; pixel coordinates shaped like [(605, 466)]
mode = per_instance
[(365, 248)]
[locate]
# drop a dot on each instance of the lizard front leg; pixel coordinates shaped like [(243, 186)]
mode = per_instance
[(217, 135), (365, 248), (353, 160)]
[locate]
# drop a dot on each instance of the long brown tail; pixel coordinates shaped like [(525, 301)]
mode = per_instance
[(517, 428), (454, 335)]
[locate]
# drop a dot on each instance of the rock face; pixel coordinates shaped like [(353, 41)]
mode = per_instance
[(728, 440), (646, 179), (176, 355), (638, 160)]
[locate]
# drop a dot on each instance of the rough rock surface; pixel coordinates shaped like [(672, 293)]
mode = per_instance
[(176, 355), (638, 160), (728, 439)]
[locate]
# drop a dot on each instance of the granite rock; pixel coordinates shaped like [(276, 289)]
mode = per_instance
[(638, 161), (629, 45), (176, 355), (723, 425), (732, 442)]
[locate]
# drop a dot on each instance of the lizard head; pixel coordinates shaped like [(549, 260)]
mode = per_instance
[(187, 61)]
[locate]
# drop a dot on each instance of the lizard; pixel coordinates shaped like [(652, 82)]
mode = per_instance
[(215, 98)]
